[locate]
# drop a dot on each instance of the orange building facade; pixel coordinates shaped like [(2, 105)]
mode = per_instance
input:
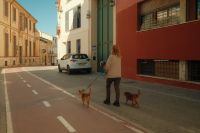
[(159, 41)]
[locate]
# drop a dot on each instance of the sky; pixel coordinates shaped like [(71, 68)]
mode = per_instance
[(45, 13)]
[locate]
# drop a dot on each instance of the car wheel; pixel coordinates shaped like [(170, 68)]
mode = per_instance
[(59, 69), (68, 70)]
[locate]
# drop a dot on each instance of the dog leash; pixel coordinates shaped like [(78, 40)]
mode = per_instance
[(102, 64), (90, 84)]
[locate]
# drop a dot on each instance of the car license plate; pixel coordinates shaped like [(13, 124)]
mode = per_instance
[(82, 64)]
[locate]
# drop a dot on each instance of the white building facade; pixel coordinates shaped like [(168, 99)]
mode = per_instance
[(73, 25), (86, 26)]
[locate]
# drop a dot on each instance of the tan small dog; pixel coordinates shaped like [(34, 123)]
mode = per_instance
[(134, 97), (85, 96)]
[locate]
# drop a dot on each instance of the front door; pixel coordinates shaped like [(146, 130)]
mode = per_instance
[(104, 31)]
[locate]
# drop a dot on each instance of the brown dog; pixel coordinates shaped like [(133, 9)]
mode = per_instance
[(134, 97), (85, 96)]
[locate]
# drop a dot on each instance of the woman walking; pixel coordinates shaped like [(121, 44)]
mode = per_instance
[(113, 71)]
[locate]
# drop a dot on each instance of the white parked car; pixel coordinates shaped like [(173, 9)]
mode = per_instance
[(72, 62)]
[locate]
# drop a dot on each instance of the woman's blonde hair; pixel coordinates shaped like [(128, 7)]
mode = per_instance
[(115, 50)]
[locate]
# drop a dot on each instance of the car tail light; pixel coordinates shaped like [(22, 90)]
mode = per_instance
[(73, 60)]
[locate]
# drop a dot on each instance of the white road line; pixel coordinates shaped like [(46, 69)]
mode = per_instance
[(35, 92), (24, 81), (134, 129), (66, 124), (46, 104), (28, 85), (8, 111), (54, 86)]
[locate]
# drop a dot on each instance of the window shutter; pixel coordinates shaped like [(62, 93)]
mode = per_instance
[(6, 44), (14, 45), (75, 17), (6, 8), (67, 21)]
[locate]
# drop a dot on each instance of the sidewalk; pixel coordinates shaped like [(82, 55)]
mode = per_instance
[(163, 109), (2, 104)]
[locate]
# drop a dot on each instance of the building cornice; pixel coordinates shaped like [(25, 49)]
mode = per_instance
[(20, 6)]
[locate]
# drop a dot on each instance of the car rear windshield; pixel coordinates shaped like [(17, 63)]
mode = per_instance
[(80, 56)]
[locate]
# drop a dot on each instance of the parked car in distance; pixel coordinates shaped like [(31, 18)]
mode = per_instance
[(74, 62)]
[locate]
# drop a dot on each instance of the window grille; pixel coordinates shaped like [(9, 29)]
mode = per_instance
[(198, 9), (159, 68), (160, 18)]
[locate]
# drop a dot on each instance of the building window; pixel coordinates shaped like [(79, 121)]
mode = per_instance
[(26, 48), (69, 47), (66, 21), (13, 62), (34, 49), (194, 71), (167, 69), (21, 21), (77, 17), (198, 9), (25, 22), (33, 27), (14, 45), (78, 46), (29, 24), (146, 67), (6, 8), (159, 68), (30, 49), (6, 40), (14, 14), (6, 63), (160, 18)]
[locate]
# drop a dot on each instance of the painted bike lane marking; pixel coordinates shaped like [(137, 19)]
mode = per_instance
[(66, 124), (8, 110)]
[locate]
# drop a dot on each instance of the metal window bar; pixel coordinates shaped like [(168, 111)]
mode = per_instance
[(198, 9), (161, 18)]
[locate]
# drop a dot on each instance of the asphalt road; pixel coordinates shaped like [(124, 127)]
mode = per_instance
[(163, 109), (37, 106)]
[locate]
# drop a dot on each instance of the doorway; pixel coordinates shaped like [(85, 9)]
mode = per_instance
[(104, 31)]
